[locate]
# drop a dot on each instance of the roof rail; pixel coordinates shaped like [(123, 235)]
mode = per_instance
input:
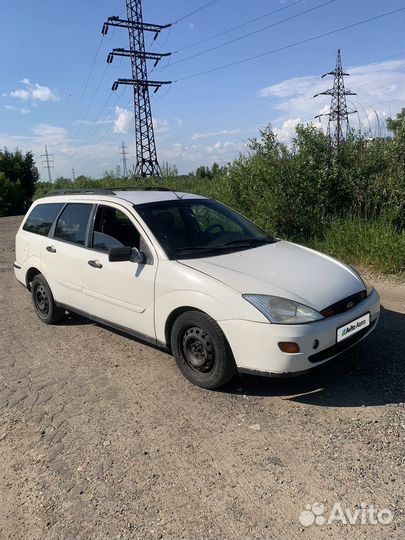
[(82, 191), (103, 191), (141, 188)]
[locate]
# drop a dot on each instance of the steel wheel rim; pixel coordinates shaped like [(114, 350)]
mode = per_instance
[(42, 300), (197, 349)]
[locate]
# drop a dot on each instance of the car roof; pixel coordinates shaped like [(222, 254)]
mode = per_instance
[(141, 197), (132, 196)]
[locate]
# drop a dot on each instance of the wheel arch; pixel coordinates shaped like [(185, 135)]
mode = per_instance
[(30, 274), (171, 319)]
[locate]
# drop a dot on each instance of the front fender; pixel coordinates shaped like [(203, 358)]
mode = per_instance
[(179, 286)]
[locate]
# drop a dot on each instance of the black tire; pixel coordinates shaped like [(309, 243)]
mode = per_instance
[(44, 304), (201, 351)]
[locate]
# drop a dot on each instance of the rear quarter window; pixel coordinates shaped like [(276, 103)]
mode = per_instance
[(41, 218)]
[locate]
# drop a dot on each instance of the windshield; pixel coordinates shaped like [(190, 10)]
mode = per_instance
[(191, 228)]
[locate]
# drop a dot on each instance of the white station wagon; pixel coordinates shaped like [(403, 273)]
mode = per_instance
[(191, 275)]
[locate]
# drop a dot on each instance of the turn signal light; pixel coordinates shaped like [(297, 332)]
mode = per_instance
[(289, 346)]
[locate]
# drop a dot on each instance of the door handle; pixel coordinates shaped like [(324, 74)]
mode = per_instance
[(95, 264), (51, 249)]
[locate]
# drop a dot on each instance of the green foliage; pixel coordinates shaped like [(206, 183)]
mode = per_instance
[(9, 195), (18, 179), (351, 205)]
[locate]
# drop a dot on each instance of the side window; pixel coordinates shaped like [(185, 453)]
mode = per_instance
[(41, 219), (72, 223), (113, 228)]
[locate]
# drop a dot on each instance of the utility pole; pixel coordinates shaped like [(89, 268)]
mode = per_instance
[(73, 175), (48, 163), (123, 154), (146, 157), (338, 113)]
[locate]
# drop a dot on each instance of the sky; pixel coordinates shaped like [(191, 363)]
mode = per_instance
[(55, 84)]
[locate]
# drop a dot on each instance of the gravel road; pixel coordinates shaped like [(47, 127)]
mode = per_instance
[(101, 437)]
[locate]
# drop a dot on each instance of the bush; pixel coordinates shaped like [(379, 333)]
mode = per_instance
[(306, 192)]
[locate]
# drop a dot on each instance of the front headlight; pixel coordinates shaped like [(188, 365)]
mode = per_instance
[(367, 284), (281, 310)]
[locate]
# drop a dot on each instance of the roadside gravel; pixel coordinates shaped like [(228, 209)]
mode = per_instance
[(101, 437)]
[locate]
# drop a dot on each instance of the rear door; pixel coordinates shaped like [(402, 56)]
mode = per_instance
[(121, 293), (64, 254)]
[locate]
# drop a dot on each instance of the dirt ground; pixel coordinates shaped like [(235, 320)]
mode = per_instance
[(101, 437)]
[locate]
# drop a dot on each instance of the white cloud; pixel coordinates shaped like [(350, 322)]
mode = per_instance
[(287, 130), (379, 88), (12, 108), (124, 120), (21, 94), (51, 135), (34, 91), (210, 134), (220, 148), (160, 126)]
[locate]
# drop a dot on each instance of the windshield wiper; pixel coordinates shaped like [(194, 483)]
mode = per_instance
[(223, 247), (250, 242), (197, 249)]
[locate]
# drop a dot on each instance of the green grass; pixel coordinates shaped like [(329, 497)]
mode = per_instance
[(374, 244)]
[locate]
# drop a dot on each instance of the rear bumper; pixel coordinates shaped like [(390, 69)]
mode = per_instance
[(255, 345)]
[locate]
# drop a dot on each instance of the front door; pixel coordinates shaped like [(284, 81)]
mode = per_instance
[(121, 293)]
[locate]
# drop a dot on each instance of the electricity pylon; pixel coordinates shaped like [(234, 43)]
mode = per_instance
[(48, 163), (338, 114), (123, 154), (146, 157)]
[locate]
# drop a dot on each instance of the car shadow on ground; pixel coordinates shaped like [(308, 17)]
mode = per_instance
[(73, 319), (371, 373)]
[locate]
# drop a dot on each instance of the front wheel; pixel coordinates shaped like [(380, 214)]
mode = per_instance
[(43, 301), (201, 351)]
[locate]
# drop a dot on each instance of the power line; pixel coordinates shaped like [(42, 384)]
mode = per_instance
[(238, 26), (291, 45), (197, 10), (244, 36), (87, 81), (91, 102)]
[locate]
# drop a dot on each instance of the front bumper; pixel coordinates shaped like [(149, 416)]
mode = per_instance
[(255, 345)]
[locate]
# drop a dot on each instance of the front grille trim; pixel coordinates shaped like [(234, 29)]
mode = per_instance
[(341, 305)]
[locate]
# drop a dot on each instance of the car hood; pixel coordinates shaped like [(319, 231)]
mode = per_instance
[(283, 269)]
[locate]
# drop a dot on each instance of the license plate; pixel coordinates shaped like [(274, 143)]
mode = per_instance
[(353, 327)]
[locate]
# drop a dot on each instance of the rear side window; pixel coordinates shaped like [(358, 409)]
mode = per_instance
[(41, 218), (72, 223)]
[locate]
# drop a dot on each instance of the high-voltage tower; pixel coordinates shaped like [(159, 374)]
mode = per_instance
[(123, 154), (146, 156), (338, 122), (48, 163)]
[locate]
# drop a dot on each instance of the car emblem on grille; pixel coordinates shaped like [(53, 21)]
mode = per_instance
[(349, 305)]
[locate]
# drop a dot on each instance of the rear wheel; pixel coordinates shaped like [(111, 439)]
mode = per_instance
[(201, 351), (43, 301)]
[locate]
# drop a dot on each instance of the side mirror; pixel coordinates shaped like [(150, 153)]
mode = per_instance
[(137, 256), (120, 254)]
